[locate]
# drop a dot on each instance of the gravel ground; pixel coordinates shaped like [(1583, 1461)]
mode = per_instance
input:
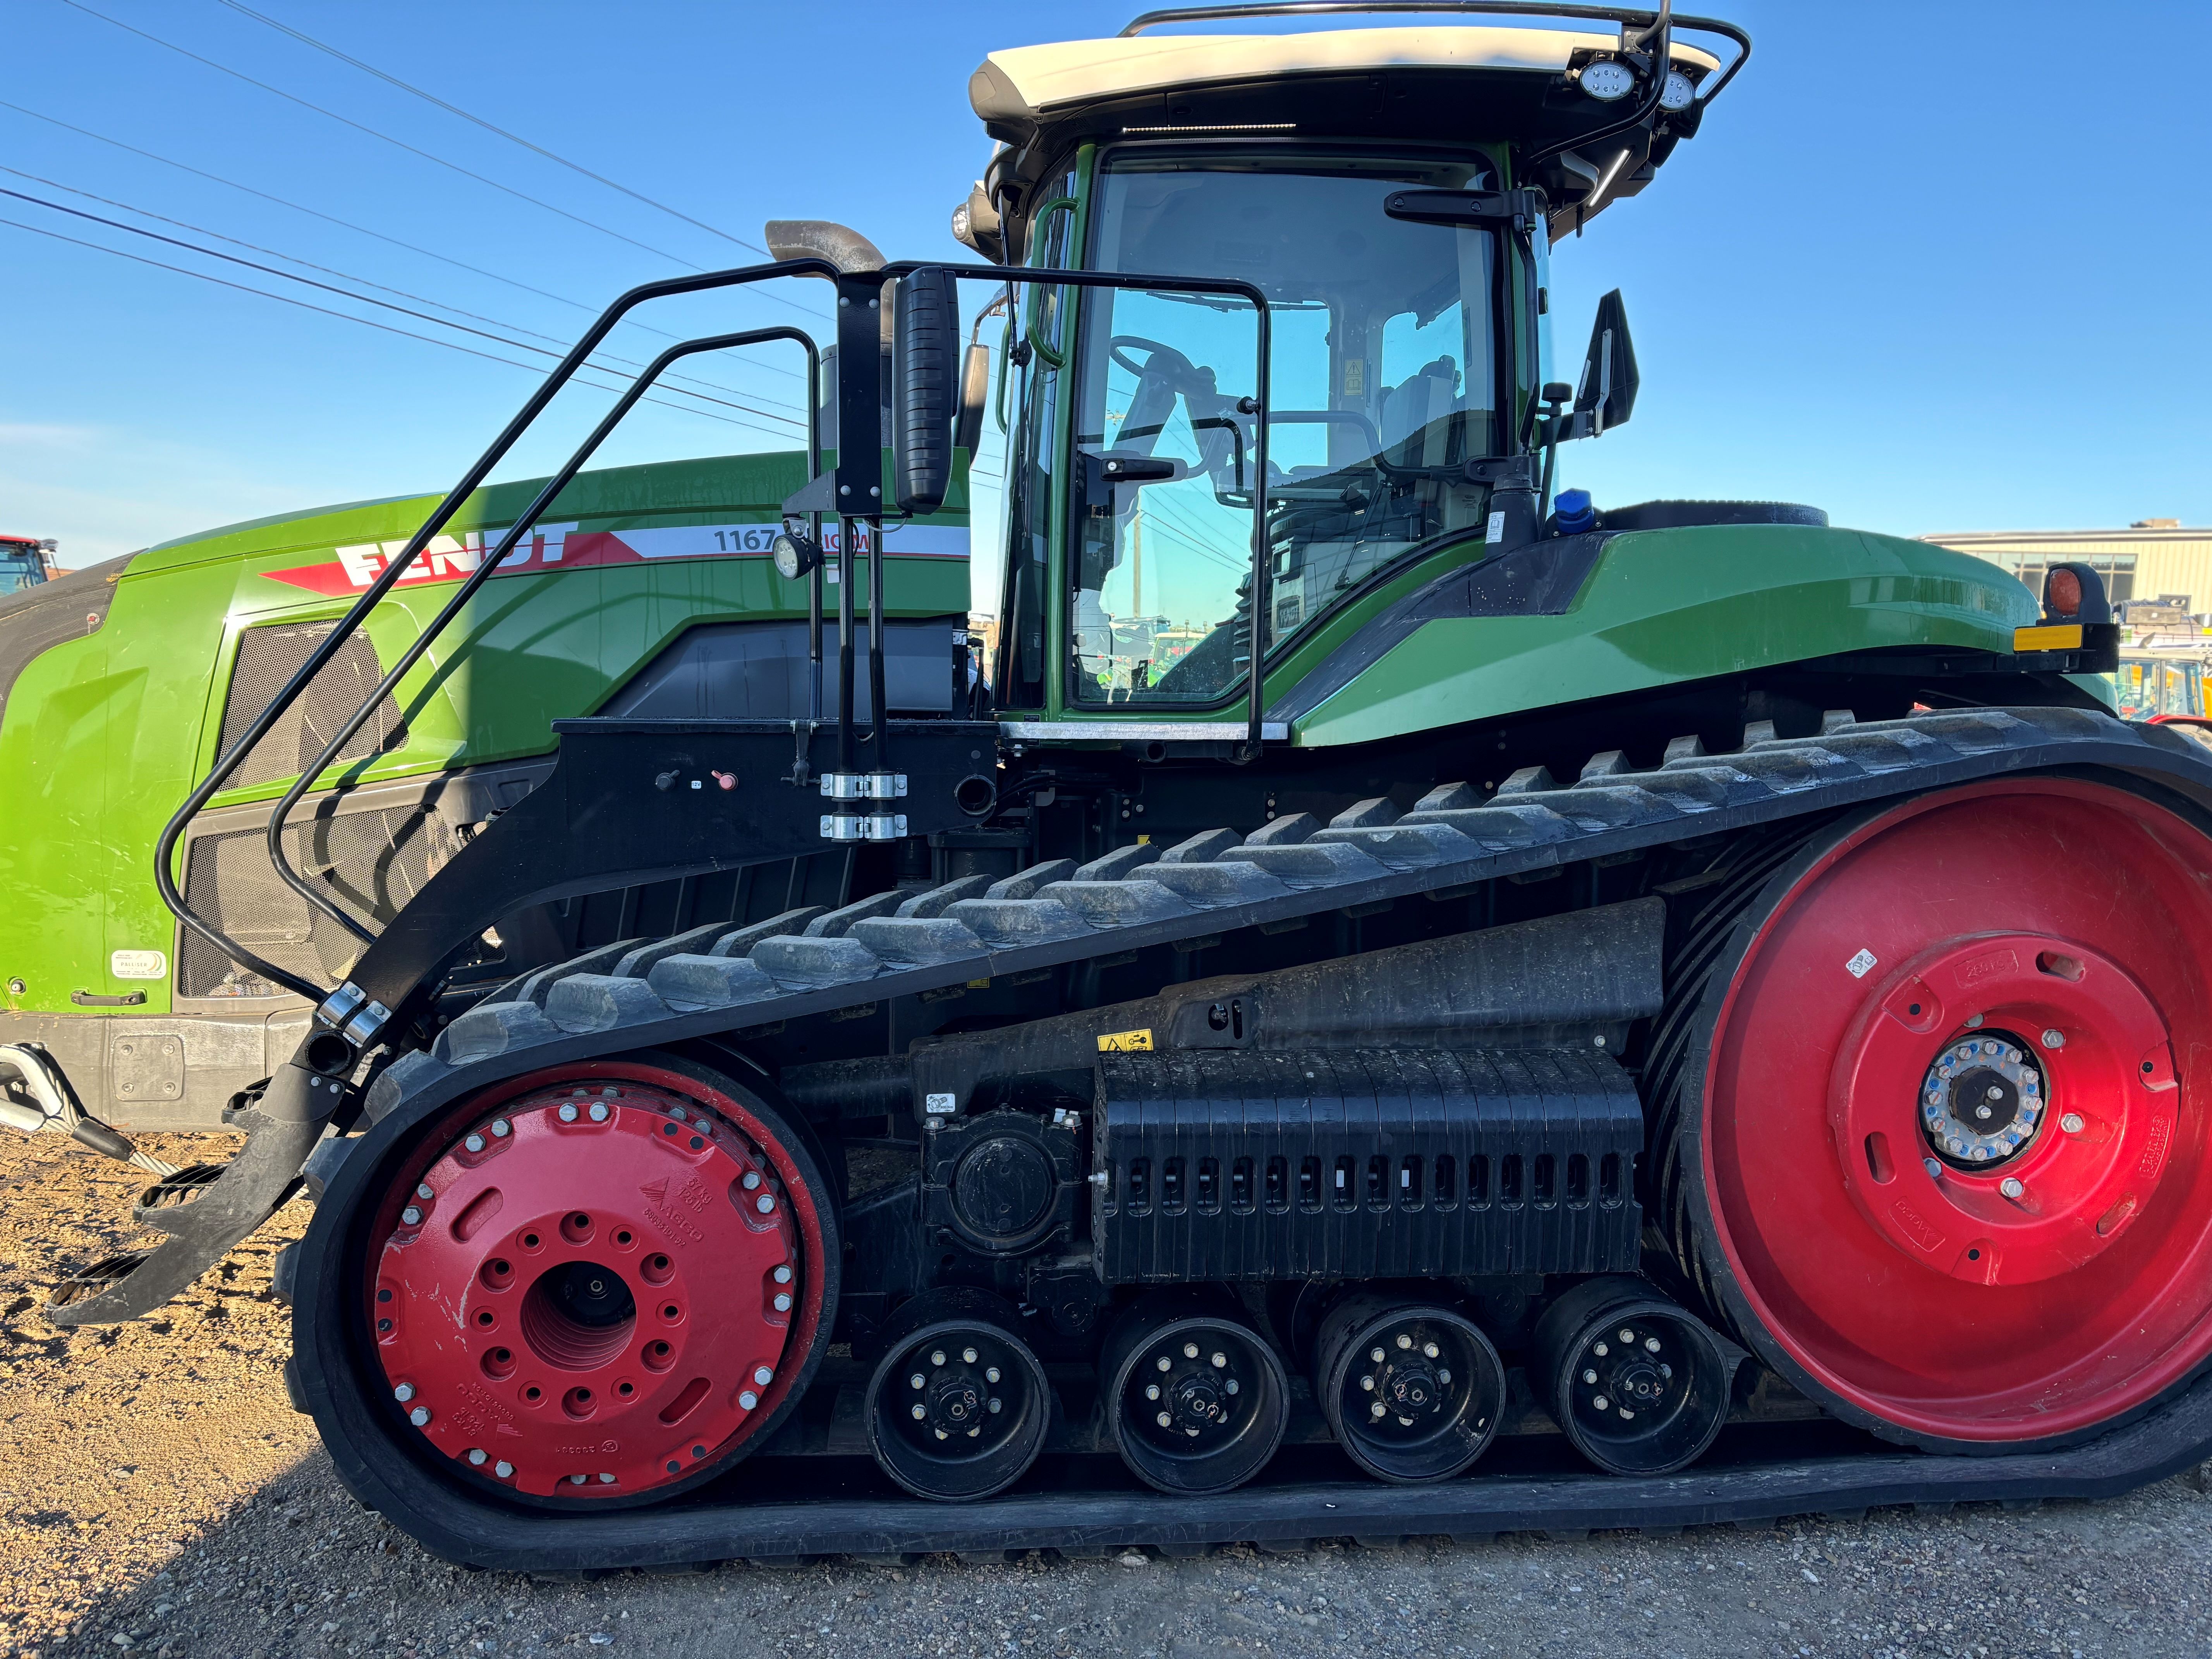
[(160, 1495)]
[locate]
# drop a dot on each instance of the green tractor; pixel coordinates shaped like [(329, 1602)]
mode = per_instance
[(1409, 1005)]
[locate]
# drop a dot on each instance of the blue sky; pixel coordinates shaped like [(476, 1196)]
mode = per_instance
[(1932, 266)]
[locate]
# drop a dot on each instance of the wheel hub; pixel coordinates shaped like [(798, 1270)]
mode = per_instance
[(1982, 1100), (955, 1396), (1408, 1382), (590, 1294), (2021, 1160), (1627, 1372), (1191, 1390)]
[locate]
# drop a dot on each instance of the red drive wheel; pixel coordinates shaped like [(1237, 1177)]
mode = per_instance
[(607, 1283), (1949, 1171)]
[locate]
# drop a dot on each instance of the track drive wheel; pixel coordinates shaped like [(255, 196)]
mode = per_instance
[(958, 1406), (1934, 1112), (1412, 1389), (601, 1284), (1196, 1398)]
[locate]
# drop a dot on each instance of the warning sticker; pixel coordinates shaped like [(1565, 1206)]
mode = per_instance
[(1125, 1042)]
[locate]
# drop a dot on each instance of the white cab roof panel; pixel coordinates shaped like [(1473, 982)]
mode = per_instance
[(1026, 83)]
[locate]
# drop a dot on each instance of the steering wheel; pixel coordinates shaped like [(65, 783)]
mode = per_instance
[(1165, 359)]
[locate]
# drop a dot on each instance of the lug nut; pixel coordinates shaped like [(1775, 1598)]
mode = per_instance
[(1152, 1391), (404, 1393), (937, 1359), (419, 1416), (783, 1275), (500, 1129), (598, 1114), (751, 1181), (476, 1456), (2072, 1123), (747, 1400), (967, 1356), (1404, 1341), (411, 1215), (1377, 1355), (503, 1469), (2054, 1038), (990, 1373), (1190, 1351), (1600, 1401), (1431, 1350), (568, 1115), (1163, 1419), (1219, 1361), (1935, 1169), (763, 1377), (2011, 1187), (606, 1480), (475, 1143), (917, 1379), (1589, 1376), (764, 1204), (1164, 1361), (422, 1190), (782, 1302), (996, 1404), (1230, 1387)]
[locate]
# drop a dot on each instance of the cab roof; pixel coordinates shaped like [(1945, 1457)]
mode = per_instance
[(1461, 83)]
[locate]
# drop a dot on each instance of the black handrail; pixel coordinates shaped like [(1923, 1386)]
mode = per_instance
[(165, 848), (1642, 17), (483, 573)]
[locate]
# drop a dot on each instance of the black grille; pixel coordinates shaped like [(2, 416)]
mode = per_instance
[(1364, 1163), (267, 658), (371, 863)]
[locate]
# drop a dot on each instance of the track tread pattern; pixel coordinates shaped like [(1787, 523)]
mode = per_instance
[(1054, 912)]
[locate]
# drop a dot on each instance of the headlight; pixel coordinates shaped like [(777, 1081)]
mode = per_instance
[(794, 554), (1606, 80), (1678, 94)]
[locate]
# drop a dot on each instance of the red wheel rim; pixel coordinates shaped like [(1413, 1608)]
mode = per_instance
[(600, 1285), (2060, 1283)]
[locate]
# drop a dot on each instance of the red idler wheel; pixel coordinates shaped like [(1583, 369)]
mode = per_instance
[(1949, 1171), (601, 1286)]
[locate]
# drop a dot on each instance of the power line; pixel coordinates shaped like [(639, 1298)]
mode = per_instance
[(366, 322), (513, 139), (400, 143), (361, 299), (346, 224), (403, 294)]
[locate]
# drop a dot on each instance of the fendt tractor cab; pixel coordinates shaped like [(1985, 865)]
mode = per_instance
[(1431, 1004), (25, 561)]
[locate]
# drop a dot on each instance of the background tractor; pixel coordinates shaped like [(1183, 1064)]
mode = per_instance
[(1521, 994)]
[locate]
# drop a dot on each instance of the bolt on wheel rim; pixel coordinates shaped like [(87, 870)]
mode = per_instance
[(1198, 1404), (957, 1411), (2025, 1296), (592, 1293), (1413, 1393)]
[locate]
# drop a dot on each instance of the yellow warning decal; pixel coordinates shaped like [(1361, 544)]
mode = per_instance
[(1125, 1042), (2067, 638)]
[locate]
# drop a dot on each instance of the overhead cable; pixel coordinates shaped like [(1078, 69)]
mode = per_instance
[(366, 322), (346, 224), (466, 115), (400, 144), (361, 299), (274, 254)]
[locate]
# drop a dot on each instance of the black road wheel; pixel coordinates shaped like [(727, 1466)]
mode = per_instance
[(1640, 1386), (1412, 1390), (958, 1406), (1196, 1398)]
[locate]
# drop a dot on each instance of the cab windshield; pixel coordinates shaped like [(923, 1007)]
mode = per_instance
[(21, 566), (1384, 382)]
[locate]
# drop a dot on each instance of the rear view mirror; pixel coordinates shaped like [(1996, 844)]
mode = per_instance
[(974, 397), (925, 345), (1606, 396)]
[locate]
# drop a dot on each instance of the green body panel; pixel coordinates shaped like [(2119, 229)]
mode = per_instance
[(103, 736), (1665, 606)]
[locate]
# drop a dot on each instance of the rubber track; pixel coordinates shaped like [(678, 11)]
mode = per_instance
[(639, 995), (720, 979)]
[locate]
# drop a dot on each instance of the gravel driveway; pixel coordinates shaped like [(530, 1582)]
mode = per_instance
[(158, 1495)]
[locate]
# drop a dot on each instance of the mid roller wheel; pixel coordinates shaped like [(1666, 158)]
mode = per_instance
[(1412, 1390), (1637, 1385), (1935, 1149), (1195, 1397), (601, 1284), (958, 1406)]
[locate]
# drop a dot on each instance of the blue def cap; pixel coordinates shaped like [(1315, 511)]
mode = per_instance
[(1575, 512)]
